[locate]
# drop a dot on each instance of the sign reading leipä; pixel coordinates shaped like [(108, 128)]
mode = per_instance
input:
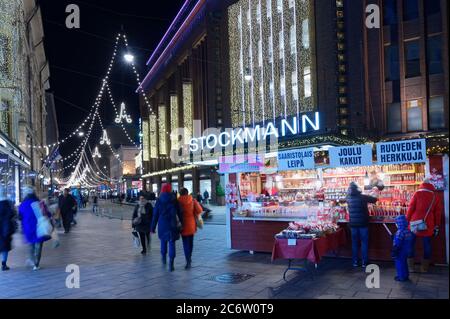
[(356, 155), (410, 151), (296, 159)]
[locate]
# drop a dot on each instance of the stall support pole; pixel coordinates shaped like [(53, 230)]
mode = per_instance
[(446, 202), (228, 215)]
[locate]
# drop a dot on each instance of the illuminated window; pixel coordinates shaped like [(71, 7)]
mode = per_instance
[(271, 91), (343, 111), (281, 37), (293, 37), (258, 13), (341, 46), (342, 90), (269, 8), (342, 100), (307, 81), (342, 68), (414, 112), (279, 6), (339, 3), (260, 55), (394, 120), (270, 49), (305, 34), (282, 86), (291, 4), (436, 114), (294, 86)]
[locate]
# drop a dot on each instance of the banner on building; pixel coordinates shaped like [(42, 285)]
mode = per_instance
[(355, 155), (409, 151), (296, 159)]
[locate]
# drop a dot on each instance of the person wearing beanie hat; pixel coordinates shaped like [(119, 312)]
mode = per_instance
[(8, 226), (167, 216), (402, 243), (359, 222)]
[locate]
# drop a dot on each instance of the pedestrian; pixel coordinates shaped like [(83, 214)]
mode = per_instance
[(8, 226), (424, 217), (206, 196), (402, 244), (168, 218), (95, 204), (152, 199), (199, 197), (51, 206), (30, 213), (359, 222), (142, 220), (191, 210), (67, 206)]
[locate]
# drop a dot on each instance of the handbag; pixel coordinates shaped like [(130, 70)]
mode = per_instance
[(198, 218), (420, 224), (43, 228)]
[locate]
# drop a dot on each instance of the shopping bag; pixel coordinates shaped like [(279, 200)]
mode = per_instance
[(136, 239), (43, 228)]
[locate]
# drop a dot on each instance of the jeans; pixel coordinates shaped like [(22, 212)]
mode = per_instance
[(4, 256), (188, 246), (426, 247), (360, 234), (172, 252), (36, 253), (145, 239)]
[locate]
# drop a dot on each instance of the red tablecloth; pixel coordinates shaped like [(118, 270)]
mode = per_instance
[(310, 249)]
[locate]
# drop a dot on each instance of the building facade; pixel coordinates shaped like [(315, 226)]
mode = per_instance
[(24, 75), (123, 170)]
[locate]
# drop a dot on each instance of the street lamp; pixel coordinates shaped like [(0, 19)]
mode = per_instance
[(129, 58)]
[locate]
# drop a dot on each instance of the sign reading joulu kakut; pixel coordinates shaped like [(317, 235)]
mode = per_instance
[(355, 155)]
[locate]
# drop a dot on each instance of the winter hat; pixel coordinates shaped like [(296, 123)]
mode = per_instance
[(401, 222), (166, 188), (28, 190)]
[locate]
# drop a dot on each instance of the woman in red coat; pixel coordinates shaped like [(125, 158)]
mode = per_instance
[(423, 201), (191, 210)]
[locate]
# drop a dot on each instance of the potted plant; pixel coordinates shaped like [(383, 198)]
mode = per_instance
[(220, 194)]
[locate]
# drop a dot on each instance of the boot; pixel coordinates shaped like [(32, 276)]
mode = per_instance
[(171, 265), (188, 263), (4, 267), (425, 266), (164, 260), (411, 266)]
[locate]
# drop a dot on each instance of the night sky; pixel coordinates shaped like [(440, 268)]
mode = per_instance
[(79, 58)]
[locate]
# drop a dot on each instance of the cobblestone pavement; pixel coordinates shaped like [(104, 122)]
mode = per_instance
[(110, 267)]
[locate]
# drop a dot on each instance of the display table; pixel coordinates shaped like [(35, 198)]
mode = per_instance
[(308, 249)]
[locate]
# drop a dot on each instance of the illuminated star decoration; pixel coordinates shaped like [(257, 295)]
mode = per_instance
[(96, 153), (105, 139), (123, 115)]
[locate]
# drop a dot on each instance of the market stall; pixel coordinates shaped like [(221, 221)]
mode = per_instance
[(263, 201)]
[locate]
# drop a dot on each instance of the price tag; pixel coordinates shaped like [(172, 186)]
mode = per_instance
[(292, 242)]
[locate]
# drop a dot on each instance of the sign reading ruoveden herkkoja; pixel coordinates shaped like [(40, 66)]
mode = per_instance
[(409, 151)]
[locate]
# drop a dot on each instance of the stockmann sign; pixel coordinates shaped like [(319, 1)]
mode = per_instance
[(272, 131)]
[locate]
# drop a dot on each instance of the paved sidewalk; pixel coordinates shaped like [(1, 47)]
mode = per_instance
[(111, 268)]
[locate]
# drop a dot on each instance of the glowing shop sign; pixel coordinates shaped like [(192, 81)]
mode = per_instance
[(286, 127), (410, 151)]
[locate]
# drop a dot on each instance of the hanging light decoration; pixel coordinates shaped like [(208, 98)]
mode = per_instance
[(105, 139), (123, 115), (96, 153)]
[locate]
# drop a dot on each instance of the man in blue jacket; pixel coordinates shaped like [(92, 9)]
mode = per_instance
[(359, 222)]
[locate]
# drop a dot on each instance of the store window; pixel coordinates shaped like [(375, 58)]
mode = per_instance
[(394, 118), (391, 63), (307, 81), (436, 116), (412, 58), (5, 122), (390, 12), (414, 113), (410, 9), (434, 55)]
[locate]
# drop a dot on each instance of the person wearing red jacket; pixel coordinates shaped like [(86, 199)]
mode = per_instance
[(424, 200)]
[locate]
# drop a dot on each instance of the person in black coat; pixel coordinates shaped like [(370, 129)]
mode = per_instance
[(359, 222), (7, 229), (142, 221)]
